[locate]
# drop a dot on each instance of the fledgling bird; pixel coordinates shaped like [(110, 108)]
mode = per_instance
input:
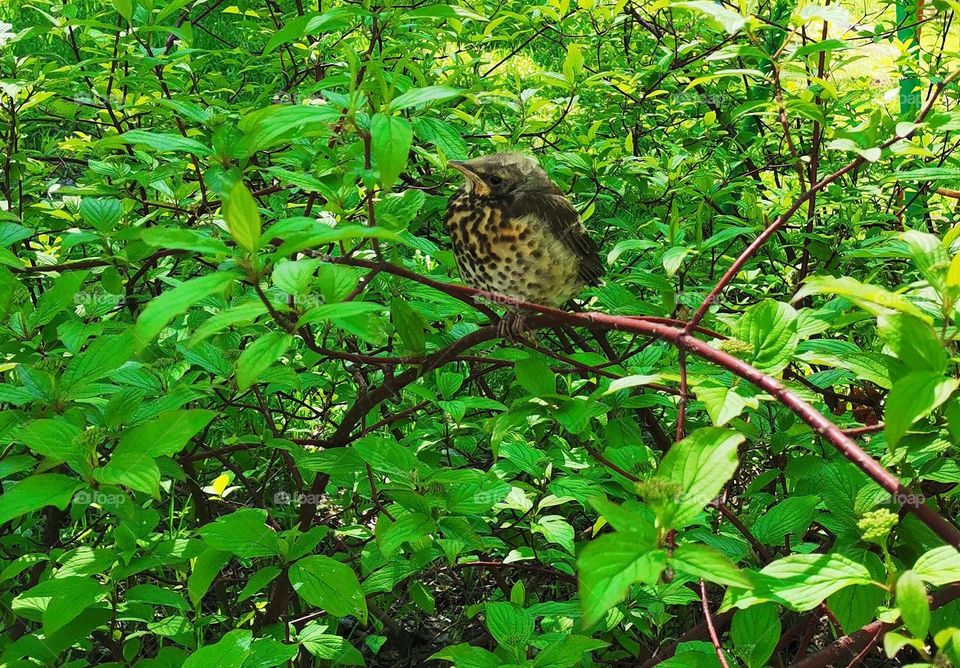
[(515, 233)]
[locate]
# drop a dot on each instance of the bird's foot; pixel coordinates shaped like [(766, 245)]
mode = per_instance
[(512, 326)]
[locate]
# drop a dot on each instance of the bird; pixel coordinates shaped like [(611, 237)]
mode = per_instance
[(516, 234)]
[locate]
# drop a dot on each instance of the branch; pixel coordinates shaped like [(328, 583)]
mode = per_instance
[(858, 640), (683, 341), (708, 618)]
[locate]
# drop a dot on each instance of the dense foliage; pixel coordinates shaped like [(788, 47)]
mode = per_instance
[(251, 417)]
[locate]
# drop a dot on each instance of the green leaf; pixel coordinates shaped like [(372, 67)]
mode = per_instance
[(948, 640), (267, 653), (635, 380), (101, 214), (444, 136), (295, 277), (755, 633), (205, 569), (396, 211), (327, 646), (465, 655), (420, 96), (799, 581), (702, 561), (567, 652), (723, 403), (939, 566), (817, 12), (124, 8), (913, 397), (181, 239), (770, 328), (511, 626), (607, 567), (409, 325), (913, 341), (819, 47), (893, 642), (11, 233), (283, 123), (258, 581), (326, 583), (698, 466), (259, 356), (325, 312), (423, 598), (913, 604), (793, 515), (729, 20), (242, 216), (102, 357), (166, 434), (54, 438), (929, 256), (856, 606), (56, 298), (229, 652), (535, 375), (149, 593), (59, 600), (331, 235), (872, 298), (628, 518), (161, 310), (556, 530), (36, 492), (926, 174), (243, 533), (392, 535), (133, 469), (160, 141), (239, 314), (673, 259), (391, 138), (573, 63), (309, 24), (8, 288)]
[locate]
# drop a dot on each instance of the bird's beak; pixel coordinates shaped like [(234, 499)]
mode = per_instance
[(464, 167), (474, 182)]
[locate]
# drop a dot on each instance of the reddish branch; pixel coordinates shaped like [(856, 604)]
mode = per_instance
[(698, 632), (708, 619), (857, 641)]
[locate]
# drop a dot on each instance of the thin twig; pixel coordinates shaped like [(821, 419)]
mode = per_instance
[(708, 618)]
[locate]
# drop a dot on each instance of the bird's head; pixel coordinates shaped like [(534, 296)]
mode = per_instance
[(503, 174)]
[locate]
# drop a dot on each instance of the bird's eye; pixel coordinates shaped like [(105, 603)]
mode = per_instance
[(495, 180)]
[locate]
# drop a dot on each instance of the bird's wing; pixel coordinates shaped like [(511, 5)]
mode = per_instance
[(564, 222)]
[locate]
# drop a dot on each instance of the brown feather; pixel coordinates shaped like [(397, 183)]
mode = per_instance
[(556, 211)]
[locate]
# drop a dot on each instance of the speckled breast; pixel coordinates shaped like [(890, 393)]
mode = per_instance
[(515, 256)]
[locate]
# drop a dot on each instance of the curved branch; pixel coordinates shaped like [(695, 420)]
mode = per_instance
[(679, 337)]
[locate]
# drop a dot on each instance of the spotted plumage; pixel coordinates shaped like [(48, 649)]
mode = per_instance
[(514, 233)]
